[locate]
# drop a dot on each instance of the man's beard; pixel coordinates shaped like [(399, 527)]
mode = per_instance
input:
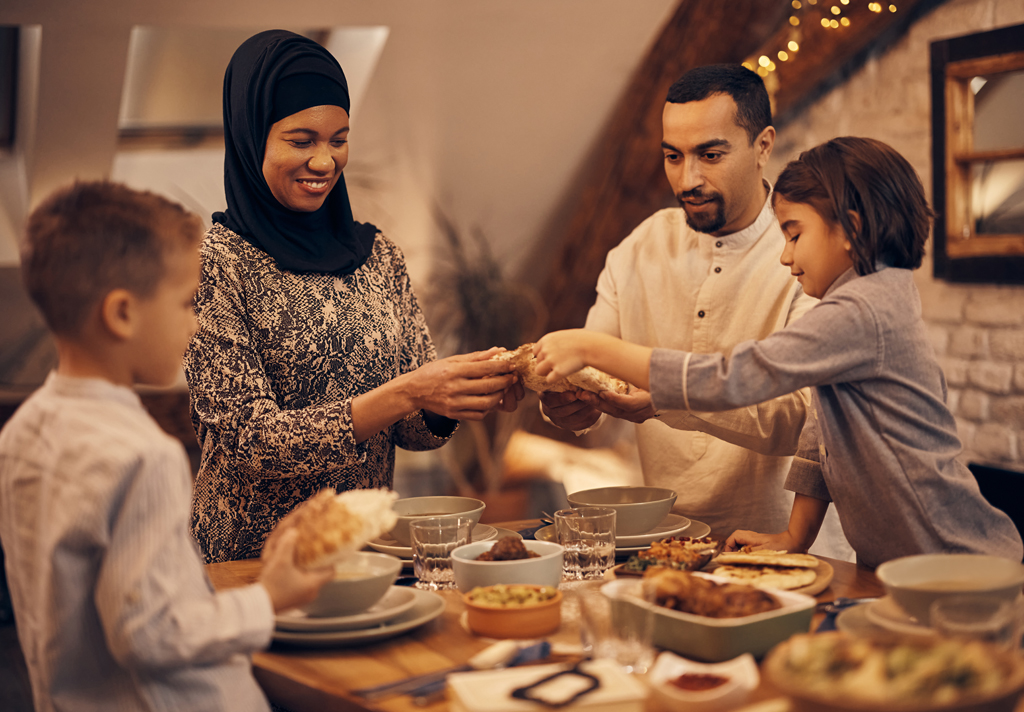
[(710, 222)]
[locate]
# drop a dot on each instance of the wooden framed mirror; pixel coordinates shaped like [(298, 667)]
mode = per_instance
[(978, 156)]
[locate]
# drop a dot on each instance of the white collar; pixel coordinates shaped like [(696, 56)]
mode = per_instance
[(748, 235)]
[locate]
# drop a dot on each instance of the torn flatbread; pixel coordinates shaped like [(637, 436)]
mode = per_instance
[(333, 526), (588, 378), (785, 577), (767, 557)]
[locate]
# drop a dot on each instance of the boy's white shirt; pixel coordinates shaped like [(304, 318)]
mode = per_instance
[(113, 607)]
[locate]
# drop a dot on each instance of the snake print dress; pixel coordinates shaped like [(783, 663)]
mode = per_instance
[(272, 370)]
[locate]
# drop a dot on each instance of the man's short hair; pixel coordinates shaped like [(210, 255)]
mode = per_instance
[(753, 108), (93, 237)]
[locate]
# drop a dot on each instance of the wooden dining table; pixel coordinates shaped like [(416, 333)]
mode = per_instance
[(323, 680)]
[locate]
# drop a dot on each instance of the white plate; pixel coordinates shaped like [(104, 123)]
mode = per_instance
[(426, 607), (886, 613), (386, 545), (695, 529), (395, 602), (671, 525)]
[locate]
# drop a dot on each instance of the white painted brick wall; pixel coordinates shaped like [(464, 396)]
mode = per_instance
[(977, 330)]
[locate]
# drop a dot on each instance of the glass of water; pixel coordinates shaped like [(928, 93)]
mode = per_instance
[(588, 536), (433, 541)]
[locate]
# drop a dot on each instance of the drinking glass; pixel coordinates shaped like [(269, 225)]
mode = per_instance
[(588, 536), (433, 541), (978, 617), (618, 629)]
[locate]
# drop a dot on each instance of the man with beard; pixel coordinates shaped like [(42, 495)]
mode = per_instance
[(704, 277)]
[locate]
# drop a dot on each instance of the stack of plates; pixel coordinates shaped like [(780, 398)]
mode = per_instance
[(401, 609), (671, 525), (481, 532)]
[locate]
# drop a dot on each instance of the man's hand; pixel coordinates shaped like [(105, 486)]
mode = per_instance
[(635, 406), (567, 411)]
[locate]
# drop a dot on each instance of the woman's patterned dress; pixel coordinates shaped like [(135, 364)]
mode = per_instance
[(272, 370)]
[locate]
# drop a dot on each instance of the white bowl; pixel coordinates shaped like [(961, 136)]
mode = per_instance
[(637, 509), (544, 570), (412, 508), (359, 582), (915, 582), (741, 674)]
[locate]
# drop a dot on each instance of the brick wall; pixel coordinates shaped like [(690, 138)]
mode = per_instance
[(977, 330)]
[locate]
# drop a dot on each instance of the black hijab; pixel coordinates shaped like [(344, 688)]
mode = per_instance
[(327, 240)]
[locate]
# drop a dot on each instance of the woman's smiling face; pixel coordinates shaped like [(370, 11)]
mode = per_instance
[(305, 155)]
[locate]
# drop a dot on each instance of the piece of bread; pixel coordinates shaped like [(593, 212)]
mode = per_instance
[(333, 526), (785, 577), (767, 557), (588, 378)]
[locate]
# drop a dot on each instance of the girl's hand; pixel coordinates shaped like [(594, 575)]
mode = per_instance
[(776, 542), (561, 353), (288, 585)]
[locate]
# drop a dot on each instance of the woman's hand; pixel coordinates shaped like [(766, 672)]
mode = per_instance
[(463, 387), (287, 584)]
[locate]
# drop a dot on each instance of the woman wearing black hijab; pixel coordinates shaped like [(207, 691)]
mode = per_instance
[(312, 360)]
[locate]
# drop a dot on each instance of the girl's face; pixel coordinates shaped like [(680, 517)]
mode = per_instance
[(305, 155), (816, 251)]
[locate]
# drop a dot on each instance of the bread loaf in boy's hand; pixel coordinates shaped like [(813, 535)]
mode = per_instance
[(332, 526), (588, 378)]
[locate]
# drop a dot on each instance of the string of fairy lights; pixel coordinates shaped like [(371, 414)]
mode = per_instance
[(834, 15)]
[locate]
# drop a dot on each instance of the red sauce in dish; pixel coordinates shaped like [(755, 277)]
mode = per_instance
[(698, 682)]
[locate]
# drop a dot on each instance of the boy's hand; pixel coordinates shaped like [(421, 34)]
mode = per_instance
[(561, 353), (288, 585), (777, 542)]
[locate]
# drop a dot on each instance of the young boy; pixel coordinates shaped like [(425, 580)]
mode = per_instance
[(113, 608)]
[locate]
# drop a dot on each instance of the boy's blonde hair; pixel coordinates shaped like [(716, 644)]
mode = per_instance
[(93, 237)]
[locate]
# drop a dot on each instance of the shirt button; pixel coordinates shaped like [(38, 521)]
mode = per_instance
[(718, 244), (717, 270), (701, 313)]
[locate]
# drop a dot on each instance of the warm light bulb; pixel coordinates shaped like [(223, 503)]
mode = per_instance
[(793, 46), (892, 8), (797, 5), (836, 10), (794, 20), (845, 2), (845, 22), (762, 71), (783, 55), (749, 66), (834, 24), (824, 22), (771, 66)]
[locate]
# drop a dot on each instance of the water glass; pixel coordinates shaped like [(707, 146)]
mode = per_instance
[(978, 617), (588, 536), (433, 541), (617, 629)]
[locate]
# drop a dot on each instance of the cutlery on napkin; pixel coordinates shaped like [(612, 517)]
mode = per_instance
[(505, 653)]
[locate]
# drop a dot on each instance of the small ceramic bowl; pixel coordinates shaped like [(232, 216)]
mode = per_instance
[(637, 509), (741, 676), (544, 570), (915, 582), (513, 621), (359, 582), (412, 508)]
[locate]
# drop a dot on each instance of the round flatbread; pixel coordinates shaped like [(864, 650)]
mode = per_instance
[(766, 557), (784, 577), (588, 378), (332, 526)]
